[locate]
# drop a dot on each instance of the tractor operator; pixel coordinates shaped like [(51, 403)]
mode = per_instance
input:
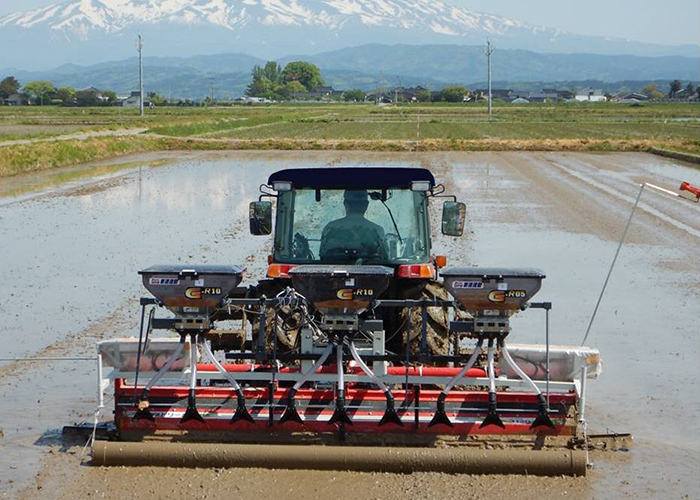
[(353, 237)]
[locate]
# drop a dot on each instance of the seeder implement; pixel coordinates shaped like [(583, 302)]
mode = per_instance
[(351, 340)]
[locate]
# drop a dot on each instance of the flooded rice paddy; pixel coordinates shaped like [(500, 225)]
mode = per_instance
[(71, 249)]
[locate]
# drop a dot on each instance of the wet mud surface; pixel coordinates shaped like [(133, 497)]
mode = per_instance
[(71, 253)]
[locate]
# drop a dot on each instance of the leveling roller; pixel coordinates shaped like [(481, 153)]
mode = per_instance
[(358, 334)]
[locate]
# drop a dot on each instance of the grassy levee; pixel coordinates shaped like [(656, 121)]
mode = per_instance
[(407, 127)]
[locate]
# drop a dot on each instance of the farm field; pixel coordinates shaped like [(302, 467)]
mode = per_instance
[(88, 134)]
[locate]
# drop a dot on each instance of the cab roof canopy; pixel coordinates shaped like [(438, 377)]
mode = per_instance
[(353, 177)]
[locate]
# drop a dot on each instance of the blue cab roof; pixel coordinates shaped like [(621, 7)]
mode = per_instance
[(353, 177)]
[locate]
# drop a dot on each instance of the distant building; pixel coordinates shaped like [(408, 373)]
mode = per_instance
[(133, 101), (630, 97), (16, 100), (562, 94), (503, 94), (590, 94)]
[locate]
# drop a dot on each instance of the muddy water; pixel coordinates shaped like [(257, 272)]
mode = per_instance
[(70, 258)]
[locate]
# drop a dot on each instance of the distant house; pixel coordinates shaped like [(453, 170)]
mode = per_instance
[(590, 94), (685, 94), (16, 100), (503, 94), (133, 101), (562, 94), (630, 97), (520, 100)]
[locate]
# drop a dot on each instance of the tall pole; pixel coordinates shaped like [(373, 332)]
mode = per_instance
[(139, 47), (489, 51)]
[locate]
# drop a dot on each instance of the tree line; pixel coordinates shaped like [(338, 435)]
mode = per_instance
[(43, 92), (652, 90)]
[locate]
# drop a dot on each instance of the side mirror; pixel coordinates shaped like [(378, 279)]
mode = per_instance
[(260, 218), (454, 216)]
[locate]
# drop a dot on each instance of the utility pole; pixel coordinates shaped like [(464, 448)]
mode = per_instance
[(139, 47), (489, 51)]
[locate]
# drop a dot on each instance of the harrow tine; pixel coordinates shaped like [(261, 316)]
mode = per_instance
[(542, 419), (440, 416), (340, 415), (143, 413), (492, 419), (191, 414), (390, 415), (242, 414), (290, 413)]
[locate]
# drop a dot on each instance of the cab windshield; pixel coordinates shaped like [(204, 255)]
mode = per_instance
[(336, 226)]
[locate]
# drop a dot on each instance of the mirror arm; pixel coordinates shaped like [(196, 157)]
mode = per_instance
[(437, 191), (266, 192), (451, 196)]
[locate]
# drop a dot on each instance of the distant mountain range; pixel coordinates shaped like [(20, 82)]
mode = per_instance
[(374, 66), (90, 31)]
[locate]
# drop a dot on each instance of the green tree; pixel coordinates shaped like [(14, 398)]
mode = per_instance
[(39, 90), (354, 95), (262, 86), (423, 95), (306, 73), (690, 88), (291, 90), (453, 94), (652, 91), (89, 97), (108, 97), (157, 99), (66, 95), (273, 72), (8, 86), (676, 85)]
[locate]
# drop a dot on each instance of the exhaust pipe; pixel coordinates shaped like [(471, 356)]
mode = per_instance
[(359, 459)]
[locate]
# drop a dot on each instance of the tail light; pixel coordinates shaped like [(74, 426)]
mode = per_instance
[(416, 271), (280, 270)]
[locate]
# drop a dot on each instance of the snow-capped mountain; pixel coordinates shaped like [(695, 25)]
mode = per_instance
[(84, 31), (82, 18)]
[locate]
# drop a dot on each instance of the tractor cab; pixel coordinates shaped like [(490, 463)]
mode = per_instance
[(352, 216)]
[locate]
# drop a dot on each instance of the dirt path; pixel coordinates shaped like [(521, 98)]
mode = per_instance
[(76, 137), (562, 212)]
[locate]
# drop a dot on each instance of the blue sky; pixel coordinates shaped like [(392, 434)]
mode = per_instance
[(674, 22)]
